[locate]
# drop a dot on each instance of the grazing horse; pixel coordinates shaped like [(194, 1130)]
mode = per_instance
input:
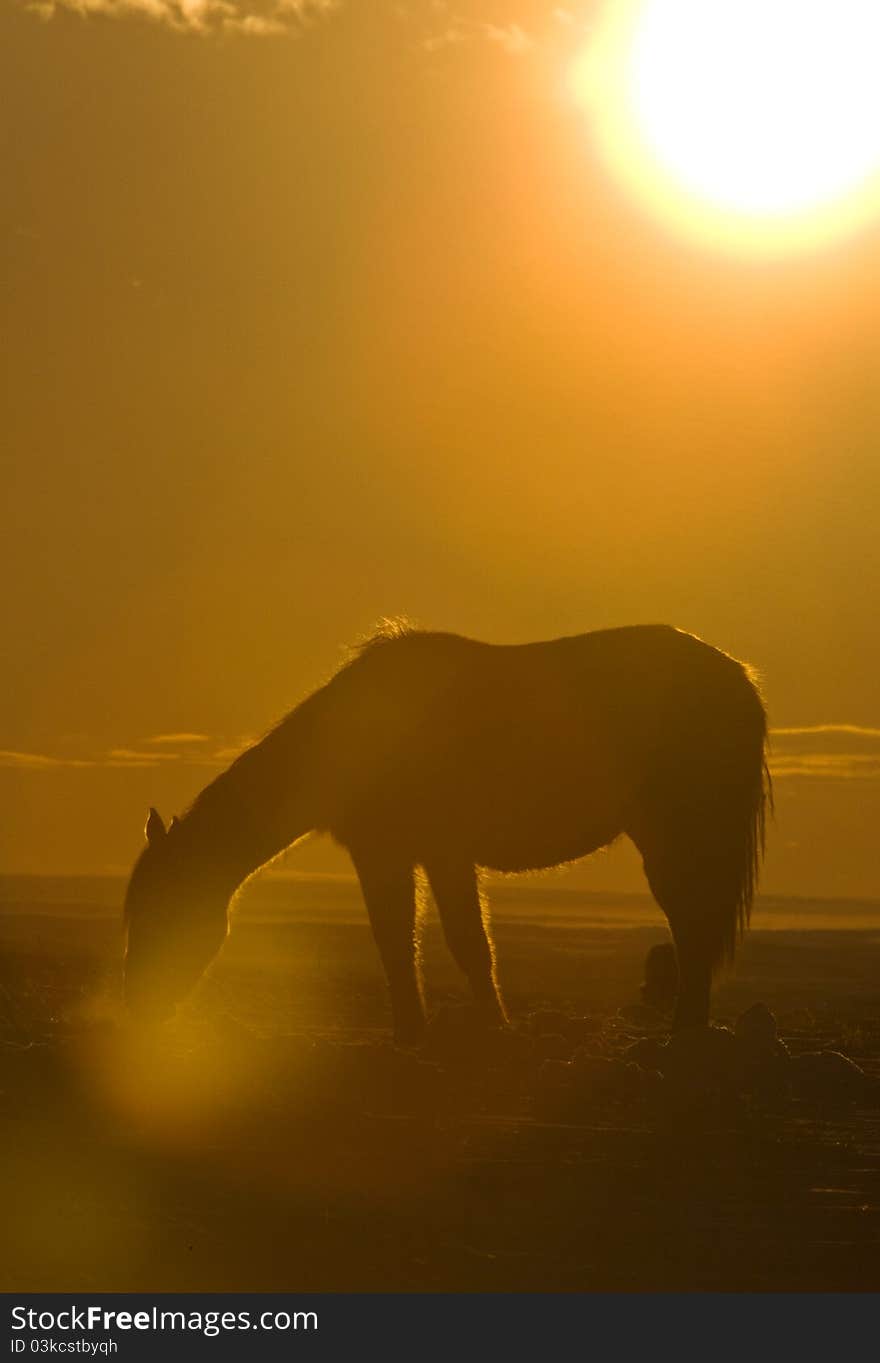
[(435, 751)]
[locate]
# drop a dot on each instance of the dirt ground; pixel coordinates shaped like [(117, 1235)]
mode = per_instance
[(272, 1138)]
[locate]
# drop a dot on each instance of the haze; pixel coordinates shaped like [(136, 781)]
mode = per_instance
[(347, 320)]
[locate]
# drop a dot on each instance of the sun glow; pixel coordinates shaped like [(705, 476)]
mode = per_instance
[(751, 124)]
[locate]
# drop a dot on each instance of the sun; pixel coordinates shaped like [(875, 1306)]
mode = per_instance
[(751, 124)]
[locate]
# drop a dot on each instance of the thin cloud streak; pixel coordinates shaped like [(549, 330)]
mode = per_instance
[(840, 766), (34, 761), (251, 18), (830, 751), (189, 749), (123, 759), (176, 740), (860, 730), (511, 38)]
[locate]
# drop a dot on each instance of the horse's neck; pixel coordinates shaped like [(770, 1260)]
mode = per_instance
[(256, 808)]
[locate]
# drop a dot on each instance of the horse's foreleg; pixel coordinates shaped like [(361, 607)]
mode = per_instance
[(462, 913), (389, 893)]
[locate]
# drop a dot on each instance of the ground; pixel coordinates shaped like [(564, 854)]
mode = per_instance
[(272, 1138)]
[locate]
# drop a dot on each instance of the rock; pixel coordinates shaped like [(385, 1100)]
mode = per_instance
[(756, 1026), (700, 1058), (761, 1058), (660, 988), (763, 1068), (827, 1077)]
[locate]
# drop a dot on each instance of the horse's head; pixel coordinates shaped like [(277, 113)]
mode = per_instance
[(176, 921)]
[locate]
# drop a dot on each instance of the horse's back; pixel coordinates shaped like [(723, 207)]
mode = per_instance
[(623, 685), (532, 752)]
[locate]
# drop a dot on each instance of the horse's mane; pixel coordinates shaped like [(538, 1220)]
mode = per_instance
[(386, 631), (389, 628)]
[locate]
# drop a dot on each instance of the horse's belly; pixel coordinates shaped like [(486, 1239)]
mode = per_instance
[(525, 829), (524, 810), (536, 850), (509, 807)]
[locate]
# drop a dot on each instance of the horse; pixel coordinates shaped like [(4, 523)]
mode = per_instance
[(438, 753)]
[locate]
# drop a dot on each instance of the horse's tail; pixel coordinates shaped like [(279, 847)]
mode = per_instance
[(757, 804), (703, 810), (737, 798)]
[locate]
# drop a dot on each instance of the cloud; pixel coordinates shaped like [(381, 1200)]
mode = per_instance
[(114, 758), (859, 730), (830, 751), (834, 752), (511, 38), (252, 18), (280, 18), (842, 766), (34, 761), (117, 757), (131, 756), (177, 740), (162, 750)]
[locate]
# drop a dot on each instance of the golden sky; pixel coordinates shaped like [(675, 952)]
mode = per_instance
[(322, 313)]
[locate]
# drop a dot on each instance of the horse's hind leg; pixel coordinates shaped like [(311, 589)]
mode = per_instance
[(683, 882), (695, 949), (462, 912), (698, 930), (388, 885)]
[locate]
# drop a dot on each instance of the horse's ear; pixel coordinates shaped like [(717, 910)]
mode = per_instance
[(155, 829), (173, 824)]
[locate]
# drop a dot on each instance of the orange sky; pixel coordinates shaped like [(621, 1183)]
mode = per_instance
[(310, 327)]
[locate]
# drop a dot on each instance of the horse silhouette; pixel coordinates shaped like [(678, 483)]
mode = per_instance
[(436, 751)]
